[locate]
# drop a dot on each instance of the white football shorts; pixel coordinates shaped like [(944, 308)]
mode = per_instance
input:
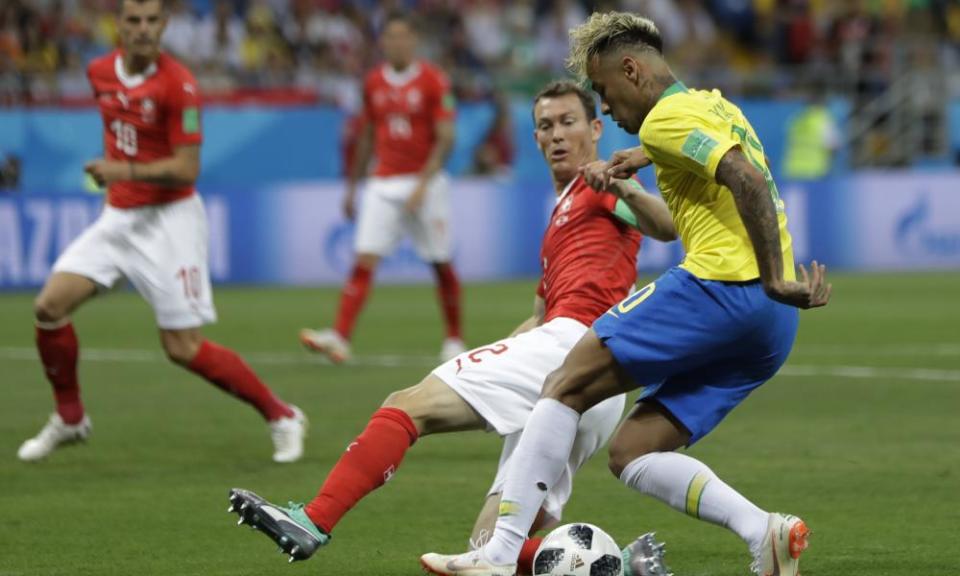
[(383, 218), (161, 249), (502, 382)]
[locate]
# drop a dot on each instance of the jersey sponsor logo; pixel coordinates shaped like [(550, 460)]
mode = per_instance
[(191, 120), (698, 147)]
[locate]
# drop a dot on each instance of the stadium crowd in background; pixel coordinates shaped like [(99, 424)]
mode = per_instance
[(763, 47)]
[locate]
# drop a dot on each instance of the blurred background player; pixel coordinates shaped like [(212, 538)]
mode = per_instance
[(153, 232), (588, 259), (699, 339), (408, 112)]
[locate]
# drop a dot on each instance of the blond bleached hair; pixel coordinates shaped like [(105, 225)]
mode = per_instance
[(606, 31)]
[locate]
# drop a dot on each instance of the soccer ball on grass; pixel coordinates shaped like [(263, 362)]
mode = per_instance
[(578, 550)]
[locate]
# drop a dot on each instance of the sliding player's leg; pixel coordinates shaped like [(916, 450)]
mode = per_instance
[(492, 387), (369, 461)]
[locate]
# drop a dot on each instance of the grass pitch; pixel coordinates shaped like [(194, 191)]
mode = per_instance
[(859, 434)]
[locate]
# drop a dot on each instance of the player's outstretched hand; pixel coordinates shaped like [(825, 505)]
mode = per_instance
[(809, 291), (595, 175), (625, 163)]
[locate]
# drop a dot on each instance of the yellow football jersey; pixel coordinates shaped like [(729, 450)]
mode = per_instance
[(685, 135)]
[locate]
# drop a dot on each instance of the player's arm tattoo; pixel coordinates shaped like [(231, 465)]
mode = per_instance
[(757, 211)]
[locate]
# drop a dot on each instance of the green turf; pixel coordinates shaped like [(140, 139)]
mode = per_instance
[(873, 463)]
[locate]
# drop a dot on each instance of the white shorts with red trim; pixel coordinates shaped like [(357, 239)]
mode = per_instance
[(161, 249), (384, 219), (502, 382)]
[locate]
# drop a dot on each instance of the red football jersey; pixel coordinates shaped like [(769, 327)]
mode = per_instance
[(404, 108), (588, 257), (145, 117)]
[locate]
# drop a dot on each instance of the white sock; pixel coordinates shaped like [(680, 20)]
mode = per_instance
[(689, 486), (536, 465)]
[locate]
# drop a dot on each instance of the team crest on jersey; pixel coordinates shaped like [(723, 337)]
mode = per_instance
[(565, 206), (414, 98), (148, 111)]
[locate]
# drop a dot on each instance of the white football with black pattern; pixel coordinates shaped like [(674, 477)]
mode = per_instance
[(578, 550)]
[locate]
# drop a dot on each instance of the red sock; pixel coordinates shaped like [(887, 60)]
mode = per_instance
[(529, 550), (59, 350), (225, 369), (448, 291), (352, 299), (368, 463)]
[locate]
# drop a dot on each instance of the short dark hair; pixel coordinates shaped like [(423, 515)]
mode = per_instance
[(562, 88), (164, 4), (400, 16)]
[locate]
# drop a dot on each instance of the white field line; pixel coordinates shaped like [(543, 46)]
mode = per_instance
[(886, 350), (266, 358), (870, 372), (399, 360)]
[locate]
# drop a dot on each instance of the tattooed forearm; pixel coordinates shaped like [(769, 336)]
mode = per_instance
[(757, 211)]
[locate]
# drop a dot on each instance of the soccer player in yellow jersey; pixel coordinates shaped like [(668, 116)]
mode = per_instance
[(699, 339)]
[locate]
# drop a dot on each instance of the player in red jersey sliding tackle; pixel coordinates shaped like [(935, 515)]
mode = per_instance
[(153, 232), (408, 114), (588, 260)]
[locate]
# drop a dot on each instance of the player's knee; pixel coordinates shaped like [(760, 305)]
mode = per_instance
[(397, 399), (46, 309), (620, 454), (407, 401), (561, 387), (180, 351)]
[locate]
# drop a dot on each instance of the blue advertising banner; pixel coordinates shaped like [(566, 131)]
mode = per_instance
[(295, 233)]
